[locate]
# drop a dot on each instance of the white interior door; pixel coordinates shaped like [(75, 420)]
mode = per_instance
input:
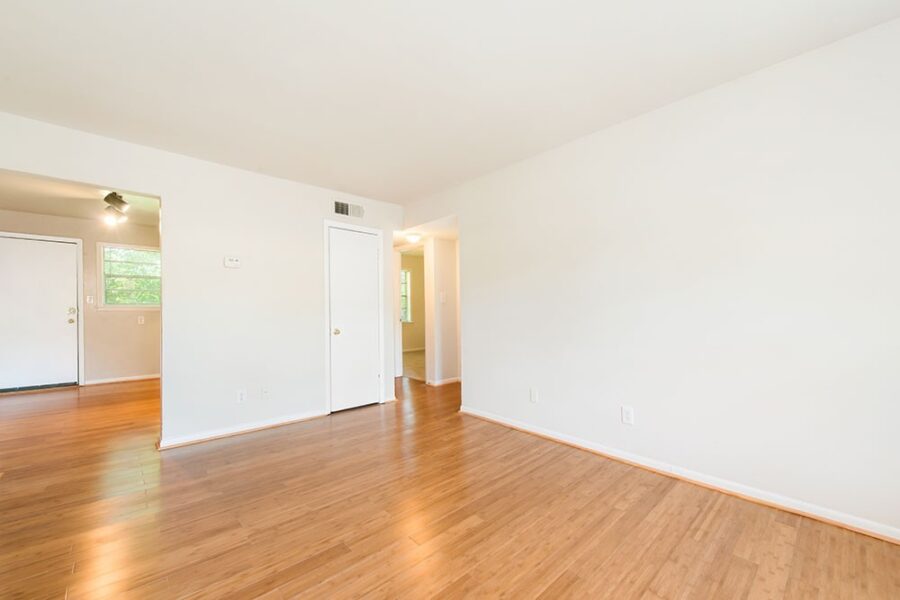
[(38, 313), (353, 274)]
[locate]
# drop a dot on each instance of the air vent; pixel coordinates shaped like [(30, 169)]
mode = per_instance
[(351, 210)]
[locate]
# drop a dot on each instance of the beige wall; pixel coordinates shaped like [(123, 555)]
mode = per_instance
[(414, 333), (115, 345)]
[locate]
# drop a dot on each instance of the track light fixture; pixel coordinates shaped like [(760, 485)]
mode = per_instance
[(117, 202), (115, 210)]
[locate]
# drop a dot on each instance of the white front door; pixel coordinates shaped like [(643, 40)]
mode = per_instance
[(38, 313), (353, 274)]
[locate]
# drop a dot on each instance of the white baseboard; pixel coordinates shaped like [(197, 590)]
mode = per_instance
[(213, 434), (834, 517), (413, 349), (440, 382), (120, 379)]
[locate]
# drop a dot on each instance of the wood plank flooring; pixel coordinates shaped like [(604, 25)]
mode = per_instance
[(414, 364), (406, 500)]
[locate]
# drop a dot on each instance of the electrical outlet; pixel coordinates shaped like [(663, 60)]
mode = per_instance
[(140, 319), (264, 393), (242, 395), (533, 395), (627, 415)]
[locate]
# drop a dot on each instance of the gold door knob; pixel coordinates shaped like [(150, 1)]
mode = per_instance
[(336, 331), (71, 320)]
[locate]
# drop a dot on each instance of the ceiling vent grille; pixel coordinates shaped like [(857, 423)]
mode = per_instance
[(350, 210)]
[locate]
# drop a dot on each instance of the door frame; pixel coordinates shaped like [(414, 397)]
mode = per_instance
[(79, 284), (379, 235), (396, 267)]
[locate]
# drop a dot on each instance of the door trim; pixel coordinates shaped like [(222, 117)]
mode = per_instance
[(79, 284), (379, 235)]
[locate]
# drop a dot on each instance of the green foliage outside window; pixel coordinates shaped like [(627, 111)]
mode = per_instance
[(131, 276)]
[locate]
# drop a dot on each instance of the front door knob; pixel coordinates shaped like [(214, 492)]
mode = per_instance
[(336, 331)]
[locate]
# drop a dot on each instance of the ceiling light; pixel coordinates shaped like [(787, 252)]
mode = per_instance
[(412, 238), (113, 217), (116, 201)]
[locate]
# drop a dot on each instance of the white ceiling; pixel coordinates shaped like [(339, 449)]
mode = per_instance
[(446, 228), (388, 99), (30, 193)]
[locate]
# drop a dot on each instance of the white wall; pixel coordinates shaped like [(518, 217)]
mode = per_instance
[(261, 326), (115, 344), (727, 266), (441, 314)]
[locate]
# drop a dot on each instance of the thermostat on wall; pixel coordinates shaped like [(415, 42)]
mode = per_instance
[(232, 262)]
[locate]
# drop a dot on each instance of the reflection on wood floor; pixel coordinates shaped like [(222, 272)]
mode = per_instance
[(409, 499)]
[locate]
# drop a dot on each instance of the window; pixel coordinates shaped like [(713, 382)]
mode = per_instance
[(405, 306), (129, 276)]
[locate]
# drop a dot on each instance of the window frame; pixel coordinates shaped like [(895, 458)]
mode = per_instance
[(409, 315), (101, 279)]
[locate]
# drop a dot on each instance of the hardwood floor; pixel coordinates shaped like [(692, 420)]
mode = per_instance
[(406, 500), (414, 364)]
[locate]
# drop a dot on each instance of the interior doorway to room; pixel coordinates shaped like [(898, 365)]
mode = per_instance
[(81, 276), (426, 265), (412, 312)]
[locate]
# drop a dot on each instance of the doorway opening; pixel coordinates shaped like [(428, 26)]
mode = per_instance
[(82, 284), (426, 265), (412, 312)]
